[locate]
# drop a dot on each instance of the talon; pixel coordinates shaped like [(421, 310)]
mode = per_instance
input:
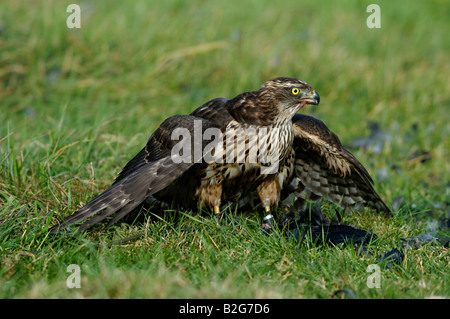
[(267, 225), (266, 229)]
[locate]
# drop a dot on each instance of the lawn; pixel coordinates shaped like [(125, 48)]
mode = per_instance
[(77, 104)]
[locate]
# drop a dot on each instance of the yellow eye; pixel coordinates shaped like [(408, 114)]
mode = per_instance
[(295, 91)]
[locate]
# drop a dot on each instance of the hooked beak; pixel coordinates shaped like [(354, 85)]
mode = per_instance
[(313, 99)]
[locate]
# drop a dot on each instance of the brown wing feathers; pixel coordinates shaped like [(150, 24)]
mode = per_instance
[(325, 169), (150, 171)]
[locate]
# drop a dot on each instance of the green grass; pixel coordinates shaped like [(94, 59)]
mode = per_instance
[(77, 104)]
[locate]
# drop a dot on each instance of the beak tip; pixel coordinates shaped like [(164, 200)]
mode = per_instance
[(316, 97)]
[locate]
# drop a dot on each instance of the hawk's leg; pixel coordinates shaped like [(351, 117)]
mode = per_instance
[(268, 219), (269, 193), (217, 214), (211, 196)]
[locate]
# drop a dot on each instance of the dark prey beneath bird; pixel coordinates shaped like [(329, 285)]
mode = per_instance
[(253, 145)]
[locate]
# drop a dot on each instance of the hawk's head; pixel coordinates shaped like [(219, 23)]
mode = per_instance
[(276, 101), (289, 94)]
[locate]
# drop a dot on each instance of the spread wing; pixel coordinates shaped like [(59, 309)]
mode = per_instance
[(153, 169), (324, 168)]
